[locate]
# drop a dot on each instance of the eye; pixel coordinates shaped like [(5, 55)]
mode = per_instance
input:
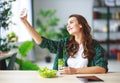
[(71, 22)]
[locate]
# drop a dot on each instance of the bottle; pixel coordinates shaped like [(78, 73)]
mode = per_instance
[(60, 64)]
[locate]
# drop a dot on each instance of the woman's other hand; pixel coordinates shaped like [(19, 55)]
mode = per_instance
[(87, 70), (68, 70)]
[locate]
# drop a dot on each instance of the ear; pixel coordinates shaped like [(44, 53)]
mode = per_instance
[(80, 26)]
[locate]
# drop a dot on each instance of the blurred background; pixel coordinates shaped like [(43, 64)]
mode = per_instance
[(49, 18)]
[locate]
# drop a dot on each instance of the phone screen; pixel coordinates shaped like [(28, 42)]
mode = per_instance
[(89, 78)]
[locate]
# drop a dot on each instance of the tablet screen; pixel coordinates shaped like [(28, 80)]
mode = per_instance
[(89, 78)]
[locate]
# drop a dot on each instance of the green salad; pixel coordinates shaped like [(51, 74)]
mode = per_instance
[(47, 73)]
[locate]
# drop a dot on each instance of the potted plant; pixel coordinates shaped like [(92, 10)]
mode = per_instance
[(46, 23), (12, 37), (23, 50), (5, 21), (63, 32)]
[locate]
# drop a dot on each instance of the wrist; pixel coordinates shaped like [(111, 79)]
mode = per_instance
[(77, 70)]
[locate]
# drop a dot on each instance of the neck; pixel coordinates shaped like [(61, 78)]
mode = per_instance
[(78, 39)]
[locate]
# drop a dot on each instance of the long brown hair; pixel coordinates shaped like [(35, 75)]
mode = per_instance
[(72, 46)]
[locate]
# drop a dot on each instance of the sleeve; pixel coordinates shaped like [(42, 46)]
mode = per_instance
[(100, 59), (51, 45)]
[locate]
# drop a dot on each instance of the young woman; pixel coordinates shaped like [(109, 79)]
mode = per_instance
[(81, 53)]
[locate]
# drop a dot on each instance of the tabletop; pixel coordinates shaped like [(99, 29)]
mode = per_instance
[(6, 55), (16, 76)]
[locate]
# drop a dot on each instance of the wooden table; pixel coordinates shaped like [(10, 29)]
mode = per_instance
[(34, 77), (6, 55)]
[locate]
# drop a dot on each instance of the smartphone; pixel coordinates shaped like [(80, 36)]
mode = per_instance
[(89, 78), (24, 12)]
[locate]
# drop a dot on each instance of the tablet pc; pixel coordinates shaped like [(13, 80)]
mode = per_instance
[(89, 78)]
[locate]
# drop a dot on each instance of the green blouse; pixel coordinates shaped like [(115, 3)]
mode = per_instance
[(58, 47)]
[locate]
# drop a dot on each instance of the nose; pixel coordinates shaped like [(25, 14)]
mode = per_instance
[(68, 26)]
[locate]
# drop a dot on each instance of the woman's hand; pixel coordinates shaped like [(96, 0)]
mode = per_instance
[(86, 70), (23, 14), (68, 70)]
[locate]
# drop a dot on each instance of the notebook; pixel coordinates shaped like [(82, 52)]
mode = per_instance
[(89, 78)]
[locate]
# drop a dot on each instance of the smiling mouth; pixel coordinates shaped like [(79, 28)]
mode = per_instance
[(69, 29)]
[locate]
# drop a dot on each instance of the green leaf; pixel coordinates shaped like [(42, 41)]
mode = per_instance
[(28, 65), (25, 47), (4, 24), (39, 23), (46, 23), (11, 34), (53, 22), (51, 12)]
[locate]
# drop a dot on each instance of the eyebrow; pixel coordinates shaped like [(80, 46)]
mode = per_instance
[(70, 21)]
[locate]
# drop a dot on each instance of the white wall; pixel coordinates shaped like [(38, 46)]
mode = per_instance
[(65, 8), (19, 28)]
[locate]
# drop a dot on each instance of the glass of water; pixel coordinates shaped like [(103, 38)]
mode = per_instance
[(60, 65)]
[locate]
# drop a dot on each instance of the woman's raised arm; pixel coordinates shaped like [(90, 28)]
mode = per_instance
[(37, 37)]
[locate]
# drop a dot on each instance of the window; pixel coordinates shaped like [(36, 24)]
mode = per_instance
[(19, 28)]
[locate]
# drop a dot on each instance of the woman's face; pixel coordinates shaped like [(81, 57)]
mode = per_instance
[(73, 27)]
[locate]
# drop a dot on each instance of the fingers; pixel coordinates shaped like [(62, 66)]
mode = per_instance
[(66, 70)]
